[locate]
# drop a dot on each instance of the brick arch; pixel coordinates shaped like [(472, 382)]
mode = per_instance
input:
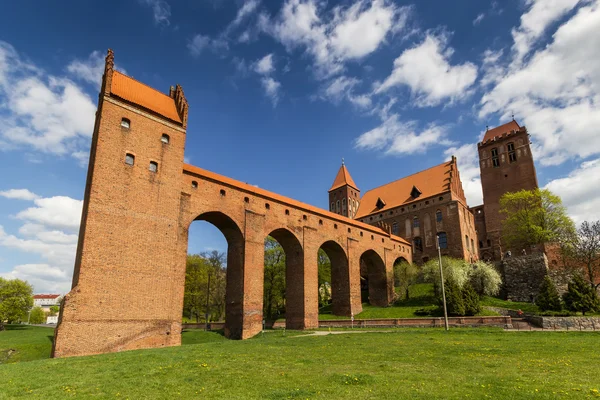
[(234, 312), (294, 277), (374, 271), (340, 277)]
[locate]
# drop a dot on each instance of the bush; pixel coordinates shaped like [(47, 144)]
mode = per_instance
[(548, 299), (581, 296), (37, 316), (486, 280), (470, 300), (454, 298), (483, 276)]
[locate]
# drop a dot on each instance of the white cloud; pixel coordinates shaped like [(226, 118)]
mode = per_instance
[(396, 137), (43, 277), (20, 194), (341, 88), (245, 10), (348, 33), (57, 212), (556, 93), (46, 113), (427, 71), (467, 158), (580, 192), (89, 70), (272, 89), (478, 19), (199, 43), (161, 11), (535, 21), (264, 66)]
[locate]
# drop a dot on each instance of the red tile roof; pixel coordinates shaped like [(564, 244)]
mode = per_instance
[(500, 130), (430, 182), (45, 296), (138, 93), (343, 178)]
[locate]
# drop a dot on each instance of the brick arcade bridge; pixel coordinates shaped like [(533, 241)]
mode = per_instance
[(139, 202)]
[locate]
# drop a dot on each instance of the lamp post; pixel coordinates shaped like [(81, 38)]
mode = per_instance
[(442, 281)]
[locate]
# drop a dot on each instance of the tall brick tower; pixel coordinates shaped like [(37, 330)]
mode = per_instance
[(344, 196), (129, 224), (506, 165)]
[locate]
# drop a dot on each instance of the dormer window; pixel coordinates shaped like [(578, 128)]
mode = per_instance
[(125, 123), (380, 203), (415, 192)]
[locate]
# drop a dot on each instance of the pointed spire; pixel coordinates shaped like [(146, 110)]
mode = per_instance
[(343, 178)]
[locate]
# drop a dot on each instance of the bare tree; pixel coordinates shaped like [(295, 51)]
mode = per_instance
[(584, 249)]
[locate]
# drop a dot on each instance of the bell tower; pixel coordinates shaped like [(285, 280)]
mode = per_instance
[(344, 195)]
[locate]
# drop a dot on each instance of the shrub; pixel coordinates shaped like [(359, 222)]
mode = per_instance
[(38, 316), (581, 296), (486, 280), (454, 297), (548, 299), (470, 300), (483, 276)]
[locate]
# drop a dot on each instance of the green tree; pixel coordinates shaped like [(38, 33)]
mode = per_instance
[(324, 266), (483, 276), (485, 279), (581, 296), (205, 285), (37, 316), (534, 217), (405, 275), (454, 297), (584, 249), (470, 299), (54, 310), (548, 298), (16, 298), (274, 285)]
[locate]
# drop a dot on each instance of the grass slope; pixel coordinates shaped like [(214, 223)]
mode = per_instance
[(25, 343), (415, 363)]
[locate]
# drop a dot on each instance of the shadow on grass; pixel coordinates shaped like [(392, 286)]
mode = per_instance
[(15, 327)]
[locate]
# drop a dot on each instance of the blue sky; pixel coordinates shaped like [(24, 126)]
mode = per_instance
[(279, 92)]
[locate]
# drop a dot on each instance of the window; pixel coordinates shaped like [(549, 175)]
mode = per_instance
[(125, 123), (222, 192), (165, 138), (332, 206), (246, 200), (407, 227), (480, 244), (337, 206), (495, 160), (418, 244), (395, 228), (489, 243), (466, 242), (194, 185), (343, 203), (415, 222), (129, 159), (472, 246), (153, 166), (438, 216), (287, 212), (512, 156), (442, 240)]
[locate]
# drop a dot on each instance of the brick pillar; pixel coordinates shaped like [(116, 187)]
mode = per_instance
[(354, 276), (378, 281), (340, 279), (310, 317), (254, 265), (390, 258)]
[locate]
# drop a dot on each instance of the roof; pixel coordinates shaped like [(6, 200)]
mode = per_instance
[(46, 296), (286, 200), (138, 93), (430, 182), (343, 178), (500, 130)]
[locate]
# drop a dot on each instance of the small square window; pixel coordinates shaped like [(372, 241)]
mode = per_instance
[(129, 159), (125, 123), (194, 185), (165, 138), (153, 166)]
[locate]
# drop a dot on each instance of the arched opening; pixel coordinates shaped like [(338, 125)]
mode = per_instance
[(289, 268), (334, 275), (373, 279), (214, 284)]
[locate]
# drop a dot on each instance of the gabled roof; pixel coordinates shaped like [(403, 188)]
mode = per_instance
[(343, 178), (138, 93), (431, 182), (500, 130)]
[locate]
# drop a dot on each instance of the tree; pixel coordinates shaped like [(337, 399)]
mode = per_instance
[(37, 316), (454, 297), (324, 267), (405, 275), (485, 279), (548, 298), (584, 249), (16, 298), (534, 217), (274, 286), (581, 296), (54, 310), (205, 285), (483, 276), (470, 300)]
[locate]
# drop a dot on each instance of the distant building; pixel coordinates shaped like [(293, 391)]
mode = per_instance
[(46, 300)]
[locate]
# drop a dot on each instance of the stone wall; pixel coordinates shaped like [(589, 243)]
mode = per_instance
[(523, 275), (569, 323)]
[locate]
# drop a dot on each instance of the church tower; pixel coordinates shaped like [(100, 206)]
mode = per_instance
[(506, 165), (344, 195)]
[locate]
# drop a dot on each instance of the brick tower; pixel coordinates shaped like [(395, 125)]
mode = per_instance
[(344, 195), (129, 224), (506, 165)]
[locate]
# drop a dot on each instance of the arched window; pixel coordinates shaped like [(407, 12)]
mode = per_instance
[(332, 206), (395, 228), (512, 156), (125, 123), (472, 245), (438, 216), (418, 244), (495, 160), (408, 228), (480, 244), (427, 229), (415, 222), (337, 206), (467, 242), (442, 240)]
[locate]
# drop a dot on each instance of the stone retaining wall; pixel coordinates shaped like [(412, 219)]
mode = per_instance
[(569, 323)]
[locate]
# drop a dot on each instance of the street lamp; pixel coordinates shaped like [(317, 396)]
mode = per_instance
[(442, 280)]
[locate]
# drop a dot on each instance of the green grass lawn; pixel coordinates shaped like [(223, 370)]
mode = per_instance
[(511, 305), (401, 363), (25, 343)]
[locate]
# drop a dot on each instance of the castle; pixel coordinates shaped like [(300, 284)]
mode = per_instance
[(431, 205)]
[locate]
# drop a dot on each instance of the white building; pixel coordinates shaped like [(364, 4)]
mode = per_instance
[(46, 300)]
